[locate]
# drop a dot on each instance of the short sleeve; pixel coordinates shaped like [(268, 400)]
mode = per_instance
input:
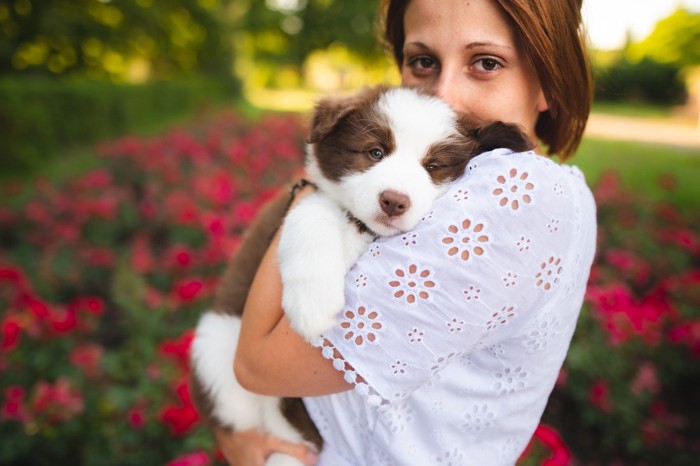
[(498, 247)]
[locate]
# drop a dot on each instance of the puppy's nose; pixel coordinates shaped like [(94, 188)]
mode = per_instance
[(394, 203)]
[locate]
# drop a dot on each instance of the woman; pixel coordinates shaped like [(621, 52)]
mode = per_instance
[(460, 372)]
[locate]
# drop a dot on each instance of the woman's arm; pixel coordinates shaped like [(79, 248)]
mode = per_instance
[(271, 358)]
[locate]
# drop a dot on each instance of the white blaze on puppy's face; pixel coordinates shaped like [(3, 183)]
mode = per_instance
[(426, 151)]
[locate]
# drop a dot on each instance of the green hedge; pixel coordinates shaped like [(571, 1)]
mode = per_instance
[(40, 117), (640, 81)]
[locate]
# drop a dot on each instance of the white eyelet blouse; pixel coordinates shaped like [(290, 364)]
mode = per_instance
[(453, 334)]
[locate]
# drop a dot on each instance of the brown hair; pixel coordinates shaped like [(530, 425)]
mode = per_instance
[(550, 34)]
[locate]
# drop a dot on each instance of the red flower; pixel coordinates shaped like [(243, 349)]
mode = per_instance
[(188, 290), (14, 406), (687, 333), (197, 458), (179, 348), (12, 275), (10, 334), (137, 417), (65, 320), (92, 305), (183, 416), (599, 396), (179, 256), (38, 308), (625, 317), (141, 257), (561, 455)]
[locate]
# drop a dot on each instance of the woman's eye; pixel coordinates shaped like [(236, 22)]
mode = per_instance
[(422, 64), (377, 154), (487, 64)]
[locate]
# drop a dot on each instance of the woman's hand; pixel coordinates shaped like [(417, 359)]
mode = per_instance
[(252, 448)]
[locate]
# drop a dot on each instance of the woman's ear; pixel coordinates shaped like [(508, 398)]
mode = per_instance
[(542, 104)]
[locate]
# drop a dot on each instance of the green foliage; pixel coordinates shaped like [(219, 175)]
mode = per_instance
[(674, 41), (105, 39), (640, 81), (287, 32), (42, 117)]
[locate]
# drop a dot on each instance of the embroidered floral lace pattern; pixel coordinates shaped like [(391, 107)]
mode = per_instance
[(453, 334)]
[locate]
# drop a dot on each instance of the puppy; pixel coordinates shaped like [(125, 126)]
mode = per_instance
[(379, 159)]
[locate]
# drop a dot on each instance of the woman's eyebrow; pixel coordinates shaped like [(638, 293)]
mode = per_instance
[(418, 44), (469, 46), (474, 45)]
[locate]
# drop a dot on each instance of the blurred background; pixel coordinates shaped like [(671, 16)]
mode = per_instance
[(138, 139)]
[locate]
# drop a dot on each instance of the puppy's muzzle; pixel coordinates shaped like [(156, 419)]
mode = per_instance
[(394, 203)]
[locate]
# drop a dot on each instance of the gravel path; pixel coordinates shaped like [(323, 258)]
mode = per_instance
[(644, 130)]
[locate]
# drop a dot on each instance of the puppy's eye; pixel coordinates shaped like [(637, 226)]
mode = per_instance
[(376, 154), (432, 167)]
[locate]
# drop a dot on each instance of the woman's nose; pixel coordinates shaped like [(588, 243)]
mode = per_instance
[(447, 88)]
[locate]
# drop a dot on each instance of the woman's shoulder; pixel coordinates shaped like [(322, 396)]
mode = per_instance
[(507, 182)]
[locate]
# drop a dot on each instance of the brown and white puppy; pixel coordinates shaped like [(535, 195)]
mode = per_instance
[(379, 159)]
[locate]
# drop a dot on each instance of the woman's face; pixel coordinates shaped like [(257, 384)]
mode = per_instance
[(466, 52)]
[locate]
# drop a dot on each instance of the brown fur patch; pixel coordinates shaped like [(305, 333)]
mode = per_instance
[(344, 138), (446, 160)]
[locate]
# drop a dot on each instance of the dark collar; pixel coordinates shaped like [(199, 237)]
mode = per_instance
[(361, 227)]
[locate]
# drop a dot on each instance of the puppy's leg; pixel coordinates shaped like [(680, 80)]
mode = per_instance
[(316, 250)]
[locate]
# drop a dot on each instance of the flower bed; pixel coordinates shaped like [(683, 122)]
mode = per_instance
[(102, 279)]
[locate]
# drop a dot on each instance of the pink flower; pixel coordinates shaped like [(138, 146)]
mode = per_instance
[(141, 257), (58, 402), (98, 256), (245, 212), (197, 458), (88, 357), (646, 380)]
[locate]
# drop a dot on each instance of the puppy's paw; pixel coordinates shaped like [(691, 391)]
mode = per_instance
[(312, 309)]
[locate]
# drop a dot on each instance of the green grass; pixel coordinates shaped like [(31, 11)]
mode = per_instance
[(634, 110), (642, 166)]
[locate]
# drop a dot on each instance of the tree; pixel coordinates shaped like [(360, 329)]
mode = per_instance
[(288, 31), (675, 40), (112, 38)]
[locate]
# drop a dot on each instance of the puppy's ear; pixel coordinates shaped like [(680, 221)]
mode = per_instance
[(495, 135), (329, 112)]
